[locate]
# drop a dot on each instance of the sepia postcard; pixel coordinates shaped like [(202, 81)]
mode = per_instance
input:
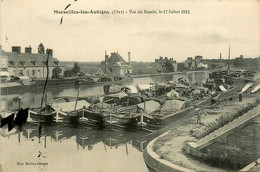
[(129, 86)]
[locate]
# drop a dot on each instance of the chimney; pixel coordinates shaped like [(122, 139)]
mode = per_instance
[(106, 59), (129, 56), (16, 49), (28, 50), (220, 57), (49, 51)]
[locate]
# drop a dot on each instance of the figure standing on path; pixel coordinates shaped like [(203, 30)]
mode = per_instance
[(240, 96), (198, 114)]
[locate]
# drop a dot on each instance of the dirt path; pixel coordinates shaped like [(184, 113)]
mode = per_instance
[(169, 147)]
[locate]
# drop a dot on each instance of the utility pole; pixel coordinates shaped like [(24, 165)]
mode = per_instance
[(105, 62), (228, 57)]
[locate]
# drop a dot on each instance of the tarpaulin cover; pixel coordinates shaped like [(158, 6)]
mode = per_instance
[(196, 91), (173, 105), (150, 106), (99, 106), (163, 85), (69, 106), (173, 93), (130, 89), (144, 87), (246, 87), (181, 86), (255, 89), (115, 89), (203, 89), (222, 88), (119, 95)]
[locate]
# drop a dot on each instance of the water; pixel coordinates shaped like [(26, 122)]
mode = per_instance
[(77, 149), (33, 98)]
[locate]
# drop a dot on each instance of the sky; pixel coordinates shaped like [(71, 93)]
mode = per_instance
[(208, 30)]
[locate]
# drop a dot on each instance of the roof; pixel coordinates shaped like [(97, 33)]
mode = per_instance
[(119, 95), (150, 106), (255, 89), (173, 93), (246, 87), (173, 105), (115, 57), (28, 59), (222, 88)]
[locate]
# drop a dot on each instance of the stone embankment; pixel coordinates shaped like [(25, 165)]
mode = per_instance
[(230, 147)]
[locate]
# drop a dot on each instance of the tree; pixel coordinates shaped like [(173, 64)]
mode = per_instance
[(41, 49), (75, 69), (56, 71)]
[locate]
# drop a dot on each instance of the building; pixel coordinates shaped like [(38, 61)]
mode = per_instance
[(28, 64), (196, 63), (189, 63), (164, 65), (115, 65)]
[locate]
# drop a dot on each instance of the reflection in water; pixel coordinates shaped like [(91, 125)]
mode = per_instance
[(79, 149)]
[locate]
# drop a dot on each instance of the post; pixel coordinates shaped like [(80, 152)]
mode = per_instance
[(19, 103), (29, 116), (114, 104), (57, 116), (144, 106), (46, 103), (228, 57), (142, 119), (105, 62), (127, 104), (76, 100), (51, 108), (83, 118)]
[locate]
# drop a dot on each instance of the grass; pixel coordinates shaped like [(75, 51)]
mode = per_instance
[(160, 142), (225, 119)]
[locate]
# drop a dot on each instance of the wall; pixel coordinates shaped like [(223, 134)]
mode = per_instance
[(241, 148), (40, 72), (4, 62)]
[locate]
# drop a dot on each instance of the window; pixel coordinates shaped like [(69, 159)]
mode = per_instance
[(11, 63), (33, 63), (33, 72), (22, 63), (39, 73), (21, 72)]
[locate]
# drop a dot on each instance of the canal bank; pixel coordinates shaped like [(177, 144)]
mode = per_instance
[(170, 73), (165, 153)]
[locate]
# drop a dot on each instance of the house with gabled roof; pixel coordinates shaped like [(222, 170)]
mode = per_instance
[(115, 65)]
